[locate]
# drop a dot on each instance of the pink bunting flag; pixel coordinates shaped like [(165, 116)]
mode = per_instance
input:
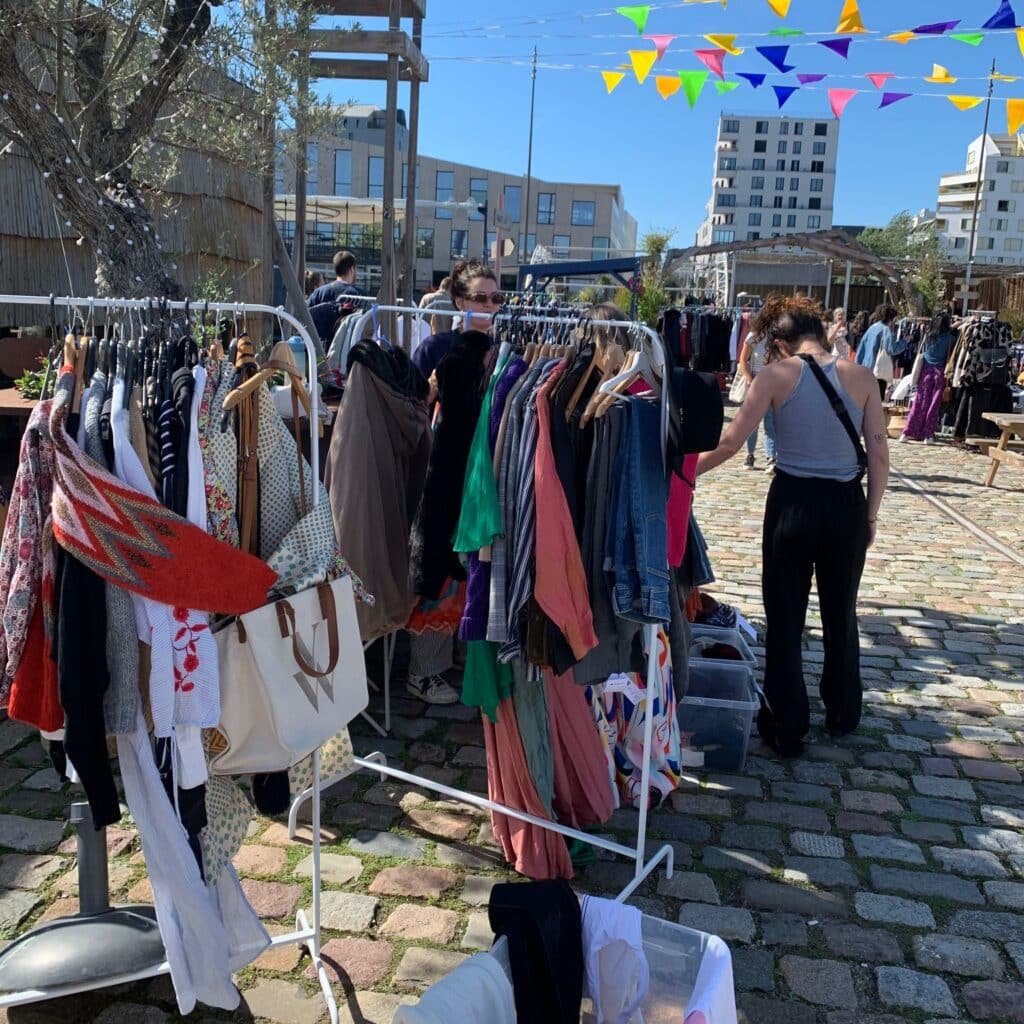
[(713, 60), (839, 98), (879, 78), (840, 46), (661, 43)]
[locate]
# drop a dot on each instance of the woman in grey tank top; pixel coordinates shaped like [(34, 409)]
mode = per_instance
[(818, 520)]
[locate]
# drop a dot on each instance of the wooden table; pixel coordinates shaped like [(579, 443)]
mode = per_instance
[(1009, 424), (12, 404)]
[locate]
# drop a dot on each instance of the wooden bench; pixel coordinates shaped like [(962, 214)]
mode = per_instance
[(1001, 452), (984, 444)]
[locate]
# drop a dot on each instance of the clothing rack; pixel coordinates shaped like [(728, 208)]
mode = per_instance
[(307, 931), (377, 762)]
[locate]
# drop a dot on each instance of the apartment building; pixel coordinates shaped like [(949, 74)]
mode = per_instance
[(345, 174), (1000, 231), (773, 176)]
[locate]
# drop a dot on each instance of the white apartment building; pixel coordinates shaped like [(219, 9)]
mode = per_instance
[(1000, 234), (773, 176)]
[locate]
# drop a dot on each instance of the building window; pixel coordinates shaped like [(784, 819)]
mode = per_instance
[(756, 201), (819, 148), (817, 184), (791, 203), (1012, 244), (794, 165), (1006, 206), (986, 243), (561, 246), (780, 165), (583, 214), (1017, 186), (1002, 167), (723, 235), (813, 204), (959, 243), (791, 220), (821, 128), (754, 220), (817, 167), (726, 200), (731, 127), (600, 247), (761, 128), (998, 223), (814, 222), (753, 236), (727, 218), (531, 244), (424, 243), (760, 145), (965, 223), (776, 220), (727, 163), (783, 146), (343, 172), (758, 165), (444, 192), (375, 177), (513, 202), (780, 184), (784, 128), (794, 184), (478, 193), (777, 202), (990, 185), (312, 169), (546, 208), (798, 128), (757, 183), (798, 147), (460, 243), (490, 239)]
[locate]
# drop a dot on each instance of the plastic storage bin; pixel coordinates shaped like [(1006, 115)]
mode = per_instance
[(732, 637), (718, 711)]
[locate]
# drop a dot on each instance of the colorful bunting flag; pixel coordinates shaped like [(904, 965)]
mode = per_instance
[(964, 102), (693, 84), (725, 42), (643, 61), (970, 38), (783, 93), (810, 79), (879, 78), (998, 76), (714, 60), (780, 7), (937, 28), (661, 44), (726, 87), (840, 46), (900, 37), (850, 20), (1003, 18), (940, 76), (776, 56), (637, 15), (755, 80), (1014, 116), (785, 32), (1020, 40), (889, 98), (838, 99), (612, 79), (667, 85)]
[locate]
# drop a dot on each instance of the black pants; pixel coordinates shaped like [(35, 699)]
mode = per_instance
[(812, 526), (883, 386)]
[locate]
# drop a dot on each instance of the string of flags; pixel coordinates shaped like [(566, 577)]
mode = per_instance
[(850, 24)]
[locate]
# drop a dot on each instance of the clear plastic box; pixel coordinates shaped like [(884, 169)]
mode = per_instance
[(732, 637), (718, 711)]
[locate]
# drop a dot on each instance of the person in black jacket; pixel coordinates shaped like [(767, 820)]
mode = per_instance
[(327, 302)]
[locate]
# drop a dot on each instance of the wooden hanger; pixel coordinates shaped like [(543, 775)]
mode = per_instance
[(281, 360)]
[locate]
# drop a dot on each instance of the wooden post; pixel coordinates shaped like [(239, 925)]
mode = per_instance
[(409, 272), (846, 290), (387, 295), (301, 177)]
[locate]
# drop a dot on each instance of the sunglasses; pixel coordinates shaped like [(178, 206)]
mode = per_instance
[(483, 298)]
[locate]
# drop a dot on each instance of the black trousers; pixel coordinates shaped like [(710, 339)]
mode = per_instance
[(812, 527)]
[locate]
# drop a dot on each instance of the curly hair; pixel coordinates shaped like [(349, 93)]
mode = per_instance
[(785, 319)]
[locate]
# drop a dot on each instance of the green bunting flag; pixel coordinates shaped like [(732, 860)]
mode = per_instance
[(693, 84), (726, 87), (637, 15), (785, 32), (970, 38)]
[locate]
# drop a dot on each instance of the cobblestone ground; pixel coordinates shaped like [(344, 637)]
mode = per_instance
[(875, 881)]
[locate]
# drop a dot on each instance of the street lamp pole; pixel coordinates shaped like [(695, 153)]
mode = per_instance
[(529, 158), (977, 192)]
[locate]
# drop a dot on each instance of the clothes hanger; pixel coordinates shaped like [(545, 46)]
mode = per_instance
[(281, 360)]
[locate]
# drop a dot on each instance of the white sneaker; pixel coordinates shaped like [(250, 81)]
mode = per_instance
[(904, 439), (929, 440), (433, 690)]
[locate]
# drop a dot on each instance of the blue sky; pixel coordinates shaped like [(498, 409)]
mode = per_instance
[(475, 109)]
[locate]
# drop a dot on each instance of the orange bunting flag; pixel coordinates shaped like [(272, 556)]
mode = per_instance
[(964, 102), (1014, 116), (850, 20), (661, 44), (612, 79), (839, 98), (900, 37), (713, 60), (643, 61), (780, 7), (668, 85), (727, 43)]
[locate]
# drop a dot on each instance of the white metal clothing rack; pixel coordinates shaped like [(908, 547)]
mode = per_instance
[(377, 762), (307, 930)]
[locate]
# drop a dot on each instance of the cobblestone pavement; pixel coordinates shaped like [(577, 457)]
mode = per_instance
[(875, 881)]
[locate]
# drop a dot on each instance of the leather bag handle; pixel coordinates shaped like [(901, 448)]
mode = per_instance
[(286, 621)]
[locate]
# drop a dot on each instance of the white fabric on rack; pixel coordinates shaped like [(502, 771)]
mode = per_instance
[(207, 933), (714, 999), (476, 992), (616, 975)]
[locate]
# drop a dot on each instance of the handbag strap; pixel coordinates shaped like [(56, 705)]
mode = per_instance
[(286, 621), (839, 408)]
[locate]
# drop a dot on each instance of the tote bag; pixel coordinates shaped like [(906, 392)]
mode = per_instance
[(292, 675), (738, 391)]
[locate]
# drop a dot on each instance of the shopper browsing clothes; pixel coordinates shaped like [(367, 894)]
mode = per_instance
[(923, 422), (818, 519), (751, 364), (879, 346)]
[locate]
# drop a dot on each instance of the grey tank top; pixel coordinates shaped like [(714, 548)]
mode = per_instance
[(809, 439)]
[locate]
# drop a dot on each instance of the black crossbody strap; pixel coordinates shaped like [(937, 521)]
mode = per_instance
[(839, 408)]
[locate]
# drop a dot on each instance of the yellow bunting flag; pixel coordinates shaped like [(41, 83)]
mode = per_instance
[(900, 37), (1014, 115), (1000, 77), (643, 61), (727, 43), (612, 79), (964, 102), (940, 76), (668, 85), (1020, 40), (780, 7), (850, 20)]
